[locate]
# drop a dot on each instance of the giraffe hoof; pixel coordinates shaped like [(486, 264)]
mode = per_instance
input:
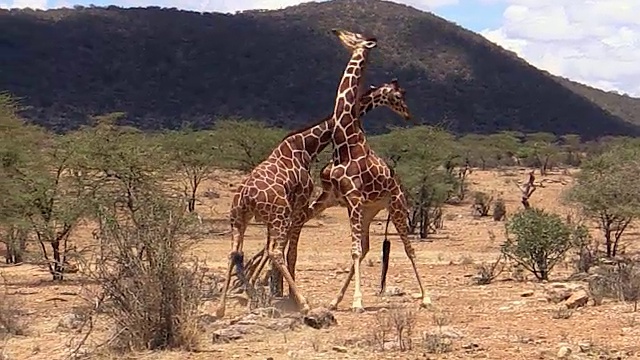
[(426, 303), (305, 309), (220, 313), (357, 309)]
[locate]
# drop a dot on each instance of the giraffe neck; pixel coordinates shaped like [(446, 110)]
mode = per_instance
[(348, 138), (371, 100), (301, 147), (305, 145)]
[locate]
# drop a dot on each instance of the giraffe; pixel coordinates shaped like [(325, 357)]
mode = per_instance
[(362, 181), (277, 192), (389, 95)]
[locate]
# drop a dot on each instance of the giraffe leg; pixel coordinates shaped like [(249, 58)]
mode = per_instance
[(357, 241), (326, 199), (255, 275), (237, 235), (365, 250), (292, 252), (347, 281), (277, 258), (398, 210)]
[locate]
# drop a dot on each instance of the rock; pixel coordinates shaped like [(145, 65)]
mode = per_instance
[(564, 352), (471, 346), (70, 322), (320, 318), (584, 346), (206, 319), (233, 332), (527, 293), (340, 349), (577, 299), (557, 295), (286, 323), (394, 291)]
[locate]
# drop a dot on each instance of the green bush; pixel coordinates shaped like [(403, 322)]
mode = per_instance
[(537, 240)]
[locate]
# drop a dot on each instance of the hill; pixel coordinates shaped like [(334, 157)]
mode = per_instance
[(166, 66)]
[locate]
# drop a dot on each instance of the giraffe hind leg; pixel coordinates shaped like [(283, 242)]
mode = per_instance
[(360, 231), (397, 209), (237, 237)]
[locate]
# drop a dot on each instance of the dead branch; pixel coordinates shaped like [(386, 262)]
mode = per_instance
[(527, 190)]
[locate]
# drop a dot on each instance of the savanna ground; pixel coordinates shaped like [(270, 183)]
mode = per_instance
[(507, 319)]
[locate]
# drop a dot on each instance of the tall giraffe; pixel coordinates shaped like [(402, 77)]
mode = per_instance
[(389, 95), (362, 181), (277, 191)]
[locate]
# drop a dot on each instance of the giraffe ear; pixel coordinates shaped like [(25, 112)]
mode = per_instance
[(394, 82), (372, 87)]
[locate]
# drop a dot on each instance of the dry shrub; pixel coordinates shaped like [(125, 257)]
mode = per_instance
[(398, 321), (499, 210), (11, 322), (437, 342), (487, 272), (621, 282), (151, 288), (481, 203), (562, 312)]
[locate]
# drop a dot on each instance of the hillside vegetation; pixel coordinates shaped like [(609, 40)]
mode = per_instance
[(164, 67)]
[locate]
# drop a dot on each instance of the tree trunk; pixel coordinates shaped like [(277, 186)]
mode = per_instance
[(57, 269)]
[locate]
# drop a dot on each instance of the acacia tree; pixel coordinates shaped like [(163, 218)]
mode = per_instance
[(121, 165), (541, 149), (17, 143), (246, 143), (142, 240), (608, 189), (418, 156), (194, 155), (58, 202)]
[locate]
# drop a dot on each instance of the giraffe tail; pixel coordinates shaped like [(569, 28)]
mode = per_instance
[(386, 249), (238, 262)]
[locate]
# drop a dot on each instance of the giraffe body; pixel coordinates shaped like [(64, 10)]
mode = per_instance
[(278, 190), (362, 181), (388, 95)]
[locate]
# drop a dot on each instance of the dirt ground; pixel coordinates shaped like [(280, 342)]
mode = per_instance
[(507, 319)]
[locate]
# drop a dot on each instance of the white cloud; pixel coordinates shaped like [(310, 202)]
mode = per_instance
[(33, 4), (596, 42)]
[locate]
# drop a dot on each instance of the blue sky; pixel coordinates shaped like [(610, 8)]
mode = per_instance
[(595, 42)]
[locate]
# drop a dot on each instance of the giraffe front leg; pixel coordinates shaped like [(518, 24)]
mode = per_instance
[(277, 258), (397, 209), (345, 284), (356, 218), (237, 235)]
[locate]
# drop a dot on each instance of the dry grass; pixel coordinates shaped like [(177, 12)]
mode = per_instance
[(491, 321)]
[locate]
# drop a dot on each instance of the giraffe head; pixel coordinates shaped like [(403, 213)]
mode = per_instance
[(353, 41), (392, 96)]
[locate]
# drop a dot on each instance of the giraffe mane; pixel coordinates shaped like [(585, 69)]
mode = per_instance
[(298, 131)]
